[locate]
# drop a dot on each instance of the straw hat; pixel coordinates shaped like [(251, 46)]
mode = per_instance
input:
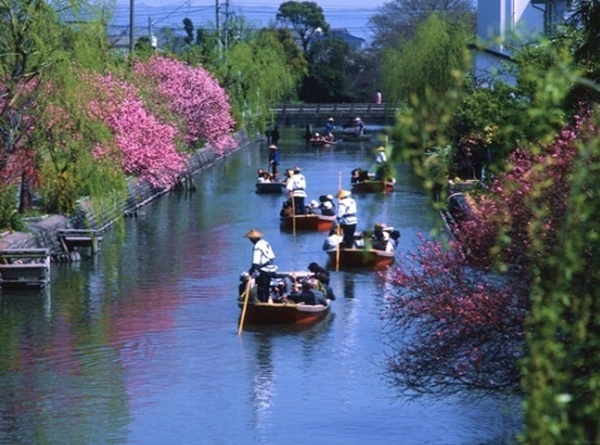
[(357, 118), (273, 147), (254, 234), (297, 169), (380, 148), (330, 119), (343, 194)]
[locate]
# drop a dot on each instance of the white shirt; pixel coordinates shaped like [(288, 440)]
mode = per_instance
[(262, 255), (297, 185), (380, 158), (346, 213)]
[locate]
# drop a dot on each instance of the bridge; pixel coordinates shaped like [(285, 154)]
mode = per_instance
[(342, 112)]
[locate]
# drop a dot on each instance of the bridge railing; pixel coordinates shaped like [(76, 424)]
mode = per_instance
[(335, 108)]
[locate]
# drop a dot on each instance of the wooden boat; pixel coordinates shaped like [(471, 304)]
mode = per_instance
[(360, 257), (270, 187), (282, 312), (373, 186), (313, 221), (321, 142), (351, 136)]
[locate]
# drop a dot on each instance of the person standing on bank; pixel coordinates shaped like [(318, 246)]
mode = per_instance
[(296, 188), (274, 161), (262, 264), (346, 217)]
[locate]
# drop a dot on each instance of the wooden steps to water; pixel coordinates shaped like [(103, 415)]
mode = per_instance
[(24, 267)]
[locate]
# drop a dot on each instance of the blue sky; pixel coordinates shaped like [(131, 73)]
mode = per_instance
[(350, 14)]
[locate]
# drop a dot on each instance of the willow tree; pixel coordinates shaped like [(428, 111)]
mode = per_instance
[(428, 61)]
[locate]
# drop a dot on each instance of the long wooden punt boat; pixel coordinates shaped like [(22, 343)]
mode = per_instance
[(350, 136), (360, 257), (270, 187), (287, 312), (309, 222), (373, 186), (283, 313)]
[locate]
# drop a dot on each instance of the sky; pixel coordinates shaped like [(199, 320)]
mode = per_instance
[(350, 14)]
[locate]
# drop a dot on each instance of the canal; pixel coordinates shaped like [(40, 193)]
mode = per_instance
[(139, 345)]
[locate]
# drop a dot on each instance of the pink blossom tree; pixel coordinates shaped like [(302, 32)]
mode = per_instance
[(193, 96), (143, 144), (454, 324)]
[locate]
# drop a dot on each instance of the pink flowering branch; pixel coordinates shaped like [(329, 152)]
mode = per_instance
[(194, 96)]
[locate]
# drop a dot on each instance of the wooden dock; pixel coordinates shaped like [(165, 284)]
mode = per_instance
[(75, 239), (24, 267)]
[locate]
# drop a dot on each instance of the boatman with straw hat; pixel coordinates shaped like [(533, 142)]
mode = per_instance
[(346, 217), (296, 188), (262, 264)]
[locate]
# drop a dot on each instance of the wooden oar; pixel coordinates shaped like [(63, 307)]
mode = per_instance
[(337, 252), (293, 216), (246, 298)]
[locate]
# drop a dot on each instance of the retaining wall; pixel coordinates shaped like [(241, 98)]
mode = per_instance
[(101, 215)]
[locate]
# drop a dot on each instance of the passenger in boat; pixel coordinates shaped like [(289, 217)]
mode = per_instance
[(296, 187), (263, 176), (381, 239), (323, 277), (333, 239), (262, 264), (274, 161), (346, 217), (329, 129), (326, 205), (359, 126), (287, 208), (310, 294), (243, 287), (358, 175)]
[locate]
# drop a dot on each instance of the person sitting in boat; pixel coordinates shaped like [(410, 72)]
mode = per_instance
[(287, 208), (309, 295), (263, 176), (333, 239), (359, 126), (359, 175), (381, 239), (323, 278), (296, 187), (329, 129), (243, 287), (326, 205)]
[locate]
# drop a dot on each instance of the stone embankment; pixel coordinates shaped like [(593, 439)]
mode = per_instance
[(100, 216)]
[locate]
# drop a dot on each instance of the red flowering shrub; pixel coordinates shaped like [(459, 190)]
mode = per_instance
[(454, 325), (145, 146), (191, 94)]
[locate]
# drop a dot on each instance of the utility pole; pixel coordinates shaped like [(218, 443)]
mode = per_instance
[(131, 25)]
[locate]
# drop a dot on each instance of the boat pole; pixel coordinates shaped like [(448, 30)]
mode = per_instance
[(338, 229), (246, 298), (293, 214)]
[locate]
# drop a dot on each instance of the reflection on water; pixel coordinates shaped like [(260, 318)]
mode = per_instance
[(139, 345)]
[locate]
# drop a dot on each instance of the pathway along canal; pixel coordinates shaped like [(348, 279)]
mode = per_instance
[(140, 344)]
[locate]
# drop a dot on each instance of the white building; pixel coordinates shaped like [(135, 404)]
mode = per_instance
[(503, 23)]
